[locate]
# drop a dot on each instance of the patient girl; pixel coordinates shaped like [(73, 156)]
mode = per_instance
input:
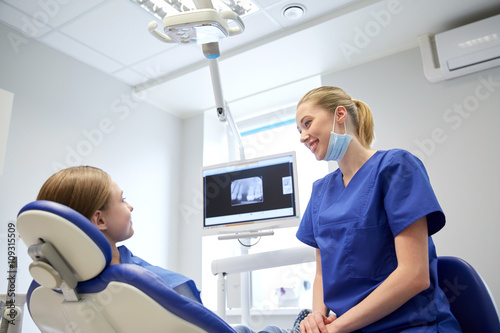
[(91, 192)]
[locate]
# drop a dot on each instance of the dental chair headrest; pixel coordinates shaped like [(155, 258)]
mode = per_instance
[(81, 244)]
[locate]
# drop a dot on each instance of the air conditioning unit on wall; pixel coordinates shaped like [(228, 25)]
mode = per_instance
[(468, 49)]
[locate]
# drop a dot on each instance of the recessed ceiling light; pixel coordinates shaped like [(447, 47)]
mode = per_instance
[(294, 11)]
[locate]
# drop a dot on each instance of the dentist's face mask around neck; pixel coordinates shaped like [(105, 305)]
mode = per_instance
[(338, 144)]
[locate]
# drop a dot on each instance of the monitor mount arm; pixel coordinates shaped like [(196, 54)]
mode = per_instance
[(223, 111)]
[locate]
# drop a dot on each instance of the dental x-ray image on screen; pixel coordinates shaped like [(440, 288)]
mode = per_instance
[(246, 191), (250, 195)]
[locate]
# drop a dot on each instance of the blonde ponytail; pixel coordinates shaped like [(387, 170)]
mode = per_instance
[(365, 123)]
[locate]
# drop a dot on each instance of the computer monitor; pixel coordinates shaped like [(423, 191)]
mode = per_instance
[(252, 195)]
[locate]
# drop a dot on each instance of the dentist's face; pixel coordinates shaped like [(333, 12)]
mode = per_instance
[(314, 124)]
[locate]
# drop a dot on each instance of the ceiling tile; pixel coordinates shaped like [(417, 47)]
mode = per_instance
[(185, 96), (80, 52), (269, 69), (53, 13), (266, 3), (21, 22), (118, 30), (172, 60), (129, 77), (257, 26), (288, 94)]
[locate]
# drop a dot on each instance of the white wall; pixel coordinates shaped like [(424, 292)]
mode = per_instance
[(190, 206), (64, 113), (459, 149)]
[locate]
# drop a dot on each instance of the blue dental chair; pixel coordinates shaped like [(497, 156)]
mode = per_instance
[(75, 289), (470, 300)]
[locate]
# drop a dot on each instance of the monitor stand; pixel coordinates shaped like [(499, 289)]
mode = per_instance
[(245, 297), (250, 234)]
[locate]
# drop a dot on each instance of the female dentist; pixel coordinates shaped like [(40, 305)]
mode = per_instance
[(370, 221)]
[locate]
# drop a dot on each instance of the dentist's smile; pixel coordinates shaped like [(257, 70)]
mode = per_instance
[(313, 145)]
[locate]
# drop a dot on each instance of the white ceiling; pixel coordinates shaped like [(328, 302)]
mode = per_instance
[(257, 65)]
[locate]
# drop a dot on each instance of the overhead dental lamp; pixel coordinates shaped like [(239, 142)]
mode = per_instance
[(205, 26), (200, 26)]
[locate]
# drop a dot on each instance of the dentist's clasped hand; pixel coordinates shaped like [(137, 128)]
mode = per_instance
[(316, 322)]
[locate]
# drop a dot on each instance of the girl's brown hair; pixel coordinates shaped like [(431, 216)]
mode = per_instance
[(85, 189)]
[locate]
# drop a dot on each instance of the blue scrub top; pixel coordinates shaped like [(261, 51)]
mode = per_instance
[(354, 229), (176, 281)]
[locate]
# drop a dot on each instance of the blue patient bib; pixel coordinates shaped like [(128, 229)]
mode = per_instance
[(180, 283)]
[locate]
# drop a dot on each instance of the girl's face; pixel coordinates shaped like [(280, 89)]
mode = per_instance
[(116, 217), (314, 124)]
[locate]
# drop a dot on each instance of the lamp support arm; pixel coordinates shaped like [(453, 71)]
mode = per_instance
[(221, 106)]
